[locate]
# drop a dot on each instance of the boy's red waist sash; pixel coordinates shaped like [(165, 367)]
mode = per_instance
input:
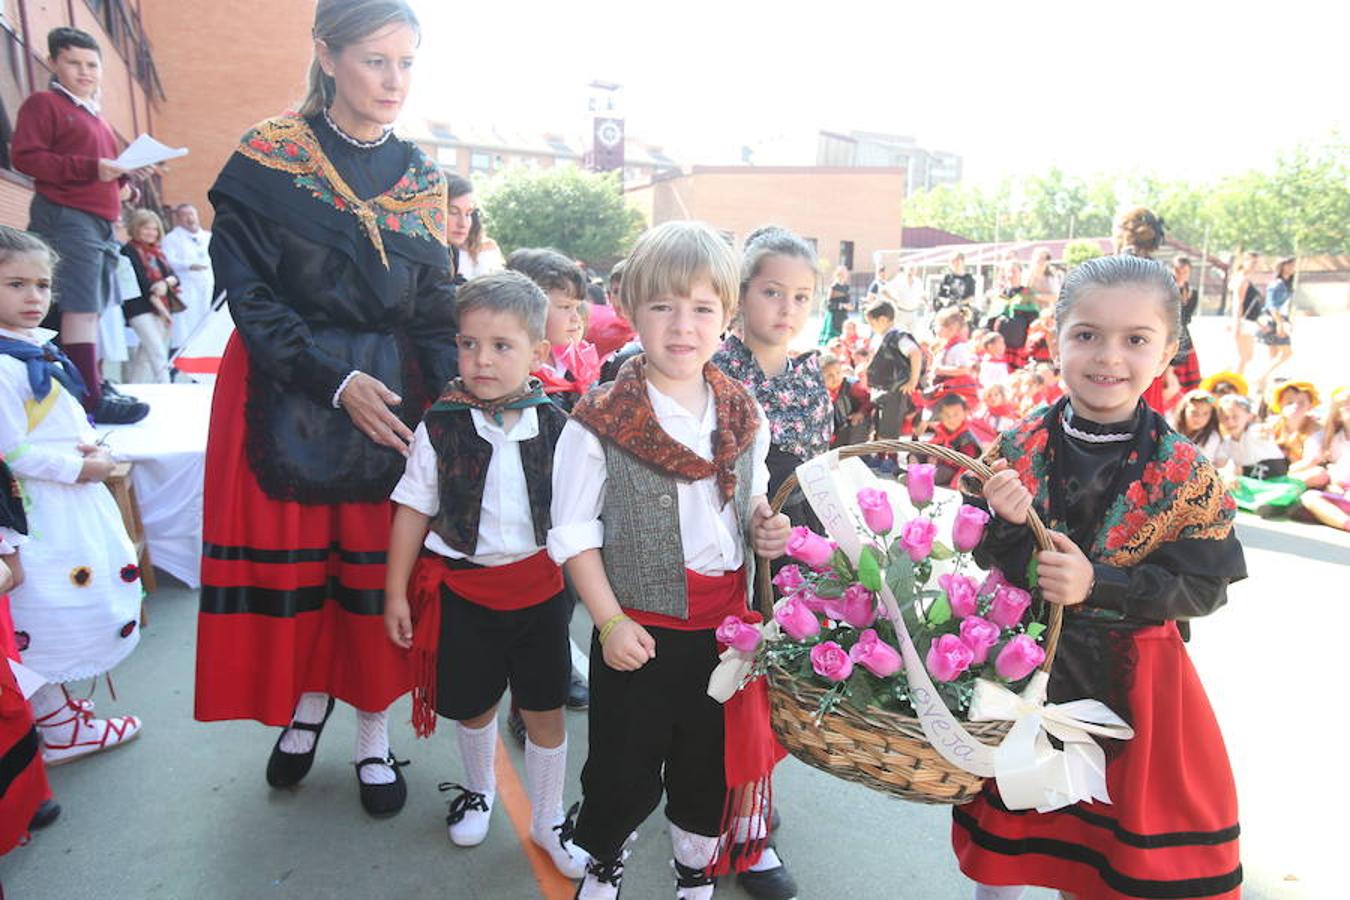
[(517, 585), (711, 599)]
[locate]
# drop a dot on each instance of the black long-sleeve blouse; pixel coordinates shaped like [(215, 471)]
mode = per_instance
[(315, 297), (1176, 579)]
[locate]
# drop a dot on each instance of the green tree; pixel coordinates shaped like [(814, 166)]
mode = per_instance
[(1079, 252), (1300, 204), (581, 214)]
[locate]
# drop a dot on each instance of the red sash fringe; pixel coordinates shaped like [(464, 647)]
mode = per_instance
[(517, 585)]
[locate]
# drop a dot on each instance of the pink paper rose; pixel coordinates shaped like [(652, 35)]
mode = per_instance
[(789, 580), (960, 594), (992, 582), (948, 657), (857, 607), (875, 655), (876, 510), (979, 635), (917, 537), (796, 619), (919, 479), (1019, 658), (968, 528), (808, 547), (1009, 604), (830, 661), (810, 599), (738, 634)]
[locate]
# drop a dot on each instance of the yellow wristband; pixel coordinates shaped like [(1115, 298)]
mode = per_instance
[(609, 626)]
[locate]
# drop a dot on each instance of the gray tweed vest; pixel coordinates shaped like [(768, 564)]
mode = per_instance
[(643, 553)]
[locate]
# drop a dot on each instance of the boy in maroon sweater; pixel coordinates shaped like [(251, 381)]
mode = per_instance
[(62, 142)]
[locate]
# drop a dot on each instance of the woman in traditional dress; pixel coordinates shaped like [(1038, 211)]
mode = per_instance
[(329, 239)]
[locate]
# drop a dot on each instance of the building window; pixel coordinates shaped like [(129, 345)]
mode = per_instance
[(480, 161), (846, 254)]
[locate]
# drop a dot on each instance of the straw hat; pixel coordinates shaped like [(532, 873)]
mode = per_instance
[(1306, 387), (1233, 378)]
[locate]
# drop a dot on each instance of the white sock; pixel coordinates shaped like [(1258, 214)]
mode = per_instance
[(545, 772), (46, 699), (372, 739), (692, 850), (309, 710), (478, 752), (999, 892), (754, 828)]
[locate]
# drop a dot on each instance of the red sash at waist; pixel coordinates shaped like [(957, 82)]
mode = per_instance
[(711, 599), (518, 585)]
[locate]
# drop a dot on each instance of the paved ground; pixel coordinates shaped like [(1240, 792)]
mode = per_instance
[(185, 813)]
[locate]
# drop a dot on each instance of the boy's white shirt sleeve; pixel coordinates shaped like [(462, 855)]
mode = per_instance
[(579, 477), (419, 488), (759, 476), (25, 459)]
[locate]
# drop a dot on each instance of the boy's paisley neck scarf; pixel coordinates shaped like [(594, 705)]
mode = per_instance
[(621, 412)]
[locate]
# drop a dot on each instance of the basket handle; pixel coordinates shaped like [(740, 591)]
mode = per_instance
[(763, 580)]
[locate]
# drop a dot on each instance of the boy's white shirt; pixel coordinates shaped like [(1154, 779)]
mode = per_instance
[(505, 526), (709, 531)]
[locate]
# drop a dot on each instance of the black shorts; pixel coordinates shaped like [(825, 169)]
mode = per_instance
[(482, 651)]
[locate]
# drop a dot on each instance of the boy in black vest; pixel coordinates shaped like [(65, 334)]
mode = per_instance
[(487, 606)]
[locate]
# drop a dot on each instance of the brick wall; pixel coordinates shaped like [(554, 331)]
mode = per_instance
[(122, 100), (224, 67), (862, 205)]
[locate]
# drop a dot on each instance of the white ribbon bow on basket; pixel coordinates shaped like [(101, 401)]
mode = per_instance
[(1030, 772)]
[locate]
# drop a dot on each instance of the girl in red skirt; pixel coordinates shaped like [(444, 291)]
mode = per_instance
[(1143, 534), (330, 241)]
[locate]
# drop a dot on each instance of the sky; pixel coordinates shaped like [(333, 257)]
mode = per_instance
[(1182, 89)]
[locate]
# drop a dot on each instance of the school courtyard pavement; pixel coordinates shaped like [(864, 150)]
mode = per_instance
[(184, 812)]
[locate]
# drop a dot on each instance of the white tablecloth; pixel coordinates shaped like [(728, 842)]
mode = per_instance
[(168, 448)]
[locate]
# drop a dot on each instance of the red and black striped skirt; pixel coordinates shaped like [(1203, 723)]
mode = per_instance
[(23, 780), (292, 596), (1171, 829), (1188, 370)]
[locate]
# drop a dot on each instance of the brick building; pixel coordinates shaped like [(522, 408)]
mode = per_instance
[(193, 73), (481, 149), (848, 212)]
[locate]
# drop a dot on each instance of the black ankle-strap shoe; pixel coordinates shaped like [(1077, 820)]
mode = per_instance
[(47, 813), (286, 769), (383, 800), (770, 884)]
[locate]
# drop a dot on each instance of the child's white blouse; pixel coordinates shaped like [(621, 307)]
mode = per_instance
[(710, 532), (40, 439)]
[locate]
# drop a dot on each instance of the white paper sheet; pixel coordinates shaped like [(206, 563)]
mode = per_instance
[(146, 151)]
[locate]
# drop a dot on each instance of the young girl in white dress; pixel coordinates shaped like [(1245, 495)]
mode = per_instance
[(76, 614)]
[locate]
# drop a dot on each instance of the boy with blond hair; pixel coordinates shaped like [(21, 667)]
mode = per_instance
[(658, 513)]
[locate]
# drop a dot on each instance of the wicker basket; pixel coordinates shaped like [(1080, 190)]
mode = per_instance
[(884, 750)]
